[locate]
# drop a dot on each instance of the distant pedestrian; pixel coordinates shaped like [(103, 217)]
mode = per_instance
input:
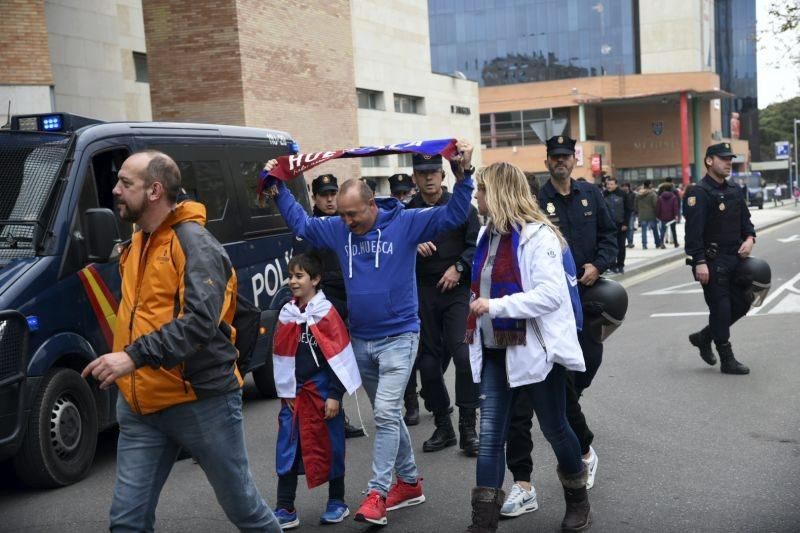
[(668, 212), (646, 200), (619, 208), (630, 197), (777, 194), (400, 186)]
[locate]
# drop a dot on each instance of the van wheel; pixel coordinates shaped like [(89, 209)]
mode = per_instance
[(264, 380), (61, 436)]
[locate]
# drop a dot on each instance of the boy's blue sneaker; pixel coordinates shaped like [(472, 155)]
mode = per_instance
[(287, 519), (335, 512)]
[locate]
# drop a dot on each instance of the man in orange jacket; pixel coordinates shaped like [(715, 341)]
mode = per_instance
[(174, 360)]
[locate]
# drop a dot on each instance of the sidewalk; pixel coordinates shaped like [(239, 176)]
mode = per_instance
[(638, 260)]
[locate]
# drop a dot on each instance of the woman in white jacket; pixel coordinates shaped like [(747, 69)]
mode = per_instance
[(522, 335)]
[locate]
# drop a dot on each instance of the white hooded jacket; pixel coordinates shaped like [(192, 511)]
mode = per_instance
[(551, 335)]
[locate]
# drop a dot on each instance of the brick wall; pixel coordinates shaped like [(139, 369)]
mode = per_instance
[(24, 53), (298, 74), (262, 63), (193, 61)]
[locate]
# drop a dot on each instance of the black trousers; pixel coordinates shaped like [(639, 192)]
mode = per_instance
[(621, 248), (443, 324), (287, 485), (519, 445), (727, 301)]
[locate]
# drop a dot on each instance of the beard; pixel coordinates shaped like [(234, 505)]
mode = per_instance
[(129, 213)]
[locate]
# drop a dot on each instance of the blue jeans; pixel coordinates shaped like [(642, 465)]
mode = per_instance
[(385, 366), (211, 430), (653, 225), (548, 399)]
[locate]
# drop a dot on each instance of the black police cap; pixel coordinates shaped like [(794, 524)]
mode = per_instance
[(324, 183), (560, 145), (426, 162), (371, 183), (400, 183), (720, 150)]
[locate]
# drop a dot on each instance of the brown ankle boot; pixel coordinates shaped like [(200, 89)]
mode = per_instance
[(486, 504), (578, 516)]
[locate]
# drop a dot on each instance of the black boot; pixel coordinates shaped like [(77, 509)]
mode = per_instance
[(444, 435), (467, 436), (411, 418), (578, 516), (702, 340), (350, 431), (728, 363), (486, 504)]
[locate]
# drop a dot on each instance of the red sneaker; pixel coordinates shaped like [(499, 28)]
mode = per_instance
[(373, 509), (404, 494)]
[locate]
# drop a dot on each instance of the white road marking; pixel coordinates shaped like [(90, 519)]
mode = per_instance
[(793, 238), (676, 289), (787, 287)]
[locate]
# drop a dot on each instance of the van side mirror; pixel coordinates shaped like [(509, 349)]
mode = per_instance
[(102, 234)]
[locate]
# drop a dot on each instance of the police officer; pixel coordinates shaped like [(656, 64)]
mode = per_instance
[(324, 190), (580, 211), (400, 186), (443, 287), (719, 235)]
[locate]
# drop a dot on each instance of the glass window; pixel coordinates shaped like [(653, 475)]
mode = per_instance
[(375, 161), (404, 103), (203, 181), (140, 66), (404, 160), (369, 99)]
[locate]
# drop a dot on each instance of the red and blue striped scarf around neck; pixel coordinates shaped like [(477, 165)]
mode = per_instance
[(506, 279)]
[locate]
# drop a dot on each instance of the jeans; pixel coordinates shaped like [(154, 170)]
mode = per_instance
[(211, 430), (662, 229), (631, 227), (650, 224), (548, 401), (385, 365)]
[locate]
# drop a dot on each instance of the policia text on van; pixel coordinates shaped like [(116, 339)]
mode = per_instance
[(59, 278)]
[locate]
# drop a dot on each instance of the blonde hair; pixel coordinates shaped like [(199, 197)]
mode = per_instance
[(509, 199)]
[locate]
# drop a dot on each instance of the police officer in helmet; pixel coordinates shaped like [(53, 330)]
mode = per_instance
[(719, 236)]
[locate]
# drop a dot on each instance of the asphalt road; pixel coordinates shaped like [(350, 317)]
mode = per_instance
[(681, 446)]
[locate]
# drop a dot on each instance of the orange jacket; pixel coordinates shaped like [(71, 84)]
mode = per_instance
[(178, 301)]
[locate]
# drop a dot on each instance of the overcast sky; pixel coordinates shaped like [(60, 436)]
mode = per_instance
[(778, 79)]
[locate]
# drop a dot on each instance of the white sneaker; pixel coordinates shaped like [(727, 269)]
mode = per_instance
[(591, 467), (519, 501)]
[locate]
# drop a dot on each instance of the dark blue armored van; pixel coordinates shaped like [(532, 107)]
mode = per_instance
[(59, 279)]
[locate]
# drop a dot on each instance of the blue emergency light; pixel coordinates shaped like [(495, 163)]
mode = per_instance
[(52, 122), (33, 322)]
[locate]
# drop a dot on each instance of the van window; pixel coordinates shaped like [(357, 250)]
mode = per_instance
[(105, 166), (202, 181)]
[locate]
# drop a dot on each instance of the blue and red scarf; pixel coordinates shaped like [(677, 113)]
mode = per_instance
[(290, 166), (506, 279)]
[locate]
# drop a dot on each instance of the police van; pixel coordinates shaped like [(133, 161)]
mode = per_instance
[(59, 278)]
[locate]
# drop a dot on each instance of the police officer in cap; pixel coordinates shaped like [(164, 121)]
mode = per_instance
[(580, 212), (719, 235), (324, 190), (443, 288), (401, 186)]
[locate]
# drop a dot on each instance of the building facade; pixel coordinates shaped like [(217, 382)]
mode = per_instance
[(634, 81), (87, 58)]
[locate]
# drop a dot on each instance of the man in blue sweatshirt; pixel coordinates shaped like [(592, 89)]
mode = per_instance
[(376, 243)]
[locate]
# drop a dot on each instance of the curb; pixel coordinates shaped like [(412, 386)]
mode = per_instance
[(677, 254)]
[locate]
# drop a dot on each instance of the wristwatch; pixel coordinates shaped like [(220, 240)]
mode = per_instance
[(459, 267), (470, 171)]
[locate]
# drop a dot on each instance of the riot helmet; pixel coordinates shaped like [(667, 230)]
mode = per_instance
[(756, 276), (604, 306)]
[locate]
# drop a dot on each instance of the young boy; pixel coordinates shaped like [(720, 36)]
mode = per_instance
[(313, 365)]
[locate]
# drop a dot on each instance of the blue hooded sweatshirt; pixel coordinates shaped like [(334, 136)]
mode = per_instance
[(379, 266)]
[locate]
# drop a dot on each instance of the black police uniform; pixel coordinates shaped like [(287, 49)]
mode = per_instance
[(443, 321), (332, 278), (583, 218), (717, 223)]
